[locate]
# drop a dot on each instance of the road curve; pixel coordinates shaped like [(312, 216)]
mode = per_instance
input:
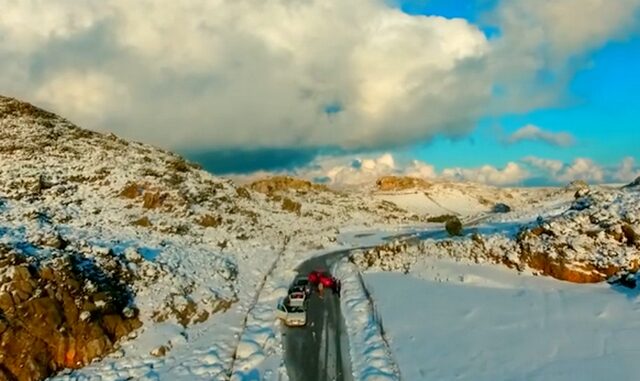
[(320, 350)]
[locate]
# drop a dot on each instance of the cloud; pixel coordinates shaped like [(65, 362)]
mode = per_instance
[(535, 133), (551, 166), (561, 173), (511, 174), (582, 169), (356, 74), (241, 73), (86, 95), (350, 171), (627, 170)]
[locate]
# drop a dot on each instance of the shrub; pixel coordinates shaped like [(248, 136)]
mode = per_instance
[(453, 226)]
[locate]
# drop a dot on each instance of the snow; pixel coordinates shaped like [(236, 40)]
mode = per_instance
[(371, 359), (446, 321), (59, 180), (451, 320)]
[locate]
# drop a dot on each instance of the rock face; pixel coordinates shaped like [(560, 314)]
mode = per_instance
[(397, 183), (58, 313), (277, 184), (634, 184)]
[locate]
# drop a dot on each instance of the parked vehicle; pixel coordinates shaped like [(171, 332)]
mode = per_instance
[(301, 282), (297, 298), (292, 316), (322, 280)]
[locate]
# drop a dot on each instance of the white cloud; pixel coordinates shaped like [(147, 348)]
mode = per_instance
[(87, 96), (582, 169), (353, 171), (254, 73), (511, 174), (219, 73), (551, 166), (627, 170), (349, 171), (559, 172), (535, 133)]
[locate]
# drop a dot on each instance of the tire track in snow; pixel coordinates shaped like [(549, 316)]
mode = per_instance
[(247, 340)]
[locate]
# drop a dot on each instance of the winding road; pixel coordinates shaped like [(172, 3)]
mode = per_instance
[(320, 350)]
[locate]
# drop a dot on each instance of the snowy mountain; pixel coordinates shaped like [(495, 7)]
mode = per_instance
[(179, 246), (125, 261)]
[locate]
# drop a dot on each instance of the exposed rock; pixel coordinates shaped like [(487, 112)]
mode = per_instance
[(576, 185), (143, 221), (160, 351), (243, 192), (152, 200), (210, 221), (48, 314), (291, 206), (396, 183), (440, 219), (634, 184), (631, 236), (132, 191), (278, 184)]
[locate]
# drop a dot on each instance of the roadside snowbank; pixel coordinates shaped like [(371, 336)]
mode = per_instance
[(370, 355)]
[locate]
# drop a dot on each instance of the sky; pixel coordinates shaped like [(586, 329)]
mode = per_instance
[(504, 92)]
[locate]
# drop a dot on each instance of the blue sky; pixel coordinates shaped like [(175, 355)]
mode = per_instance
[(599, 108)]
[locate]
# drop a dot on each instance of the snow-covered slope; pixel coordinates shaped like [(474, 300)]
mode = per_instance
[(441, 197), (581, 236), (199, 246), (463, 321)]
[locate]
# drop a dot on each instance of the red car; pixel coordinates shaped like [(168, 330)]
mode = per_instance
[(320, 277)]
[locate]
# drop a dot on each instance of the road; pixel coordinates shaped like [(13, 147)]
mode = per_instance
[(319, 351)]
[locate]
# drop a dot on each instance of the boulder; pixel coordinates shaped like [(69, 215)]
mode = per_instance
[(501, 208)]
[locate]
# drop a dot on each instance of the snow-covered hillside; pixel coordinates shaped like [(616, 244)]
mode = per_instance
[(581, 235), (197, 247), (438, 198)]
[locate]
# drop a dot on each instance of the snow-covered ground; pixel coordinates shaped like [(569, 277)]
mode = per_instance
[(371, 357), (463, 321), (211, 258)]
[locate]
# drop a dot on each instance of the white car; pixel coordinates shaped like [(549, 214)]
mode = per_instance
[(297, 298), (292, 316)]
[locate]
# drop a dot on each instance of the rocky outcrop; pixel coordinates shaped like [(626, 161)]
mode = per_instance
[(59, 313), (277, 184), (634, 184), (398, 183)]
